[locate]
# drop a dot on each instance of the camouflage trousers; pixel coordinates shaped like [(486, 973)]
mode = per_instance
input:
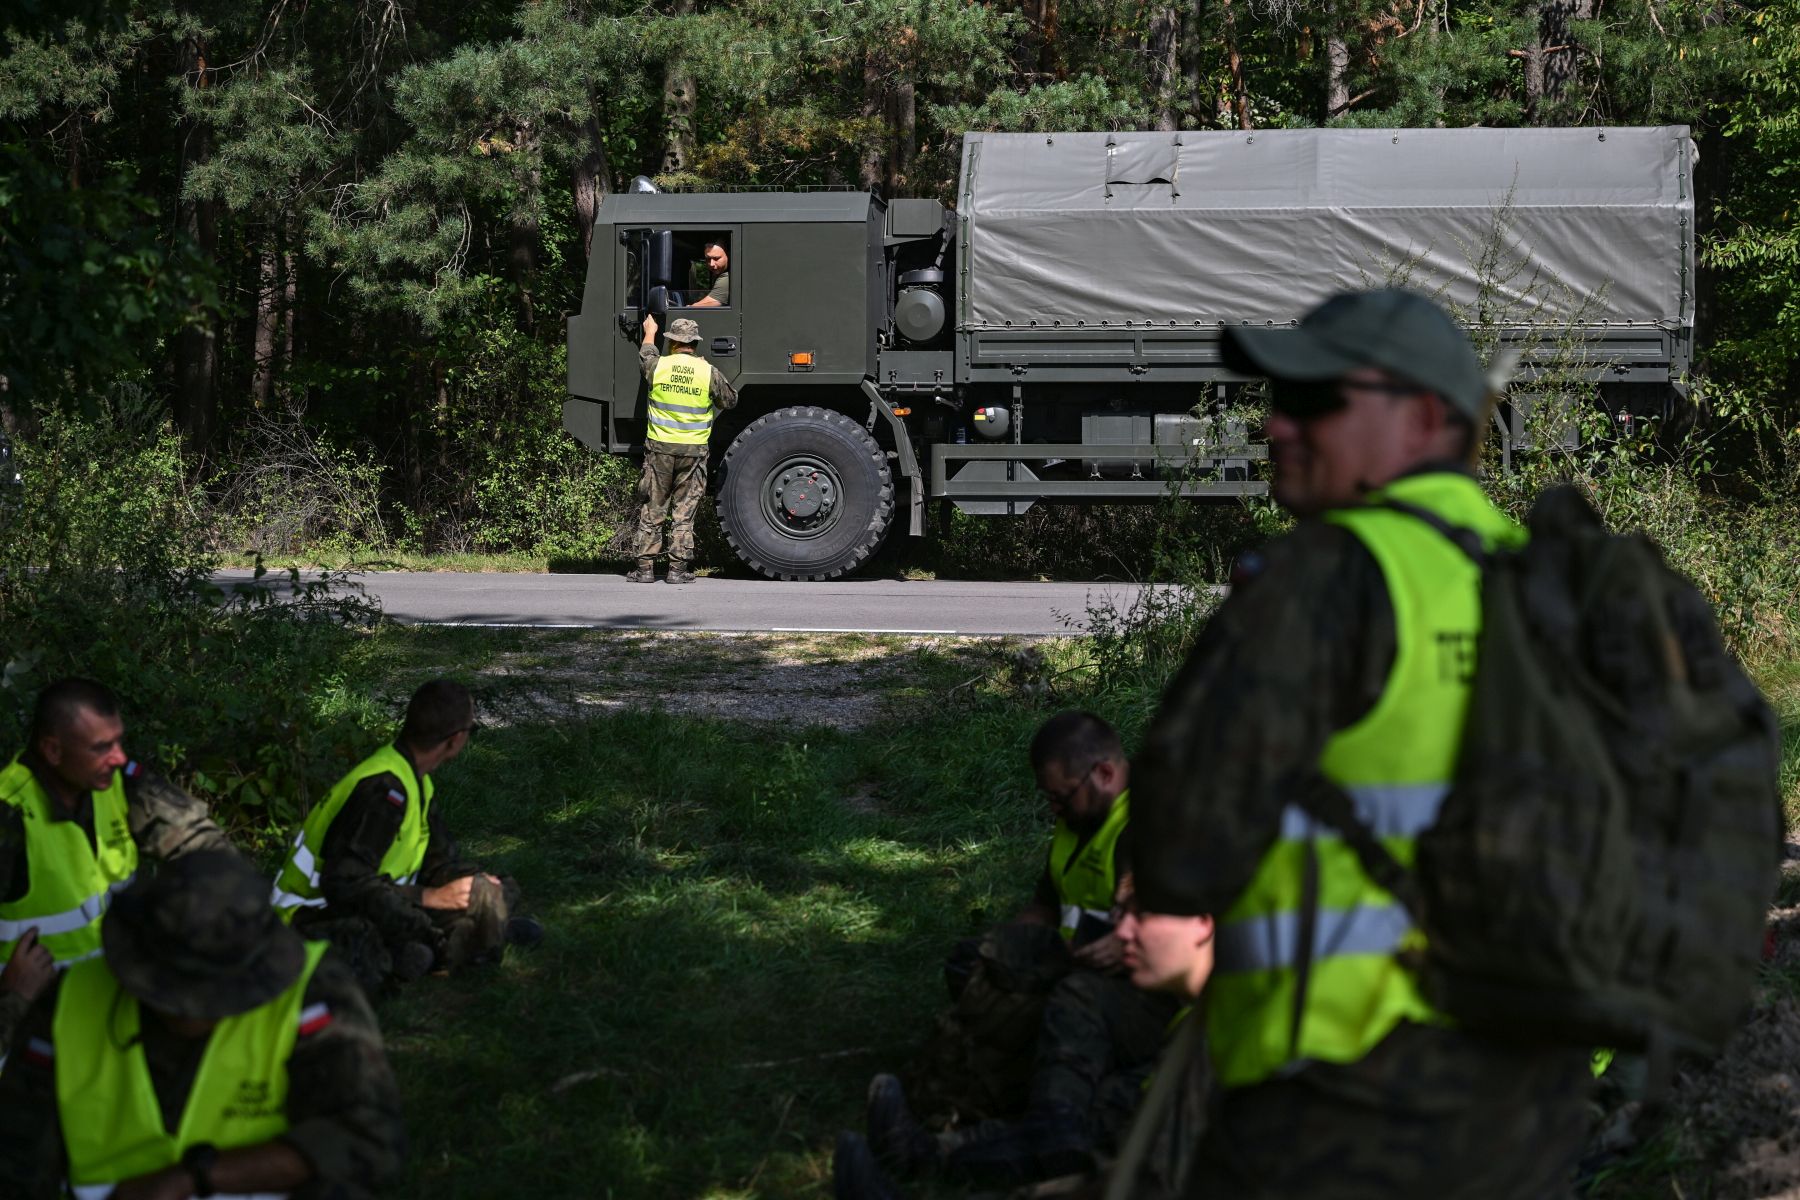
[(670, 489), (1429, 1114), (462, 939), (1096, 1045)]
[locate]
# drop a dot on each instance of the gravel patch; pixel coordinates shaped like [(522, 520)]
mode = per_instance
[(800, 680)]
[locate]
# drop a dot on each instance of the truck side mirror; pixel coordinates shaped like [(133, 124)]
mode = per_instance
[(658, 300), (659, 259)]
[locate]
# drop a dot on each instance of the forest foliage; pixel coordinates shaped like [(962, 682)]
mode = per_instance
[(336, 242)]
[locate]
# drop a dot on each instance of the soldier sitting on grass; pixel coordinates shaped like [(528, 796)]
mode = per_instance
[(1085, 1094), (375, 871), (209, 1052)]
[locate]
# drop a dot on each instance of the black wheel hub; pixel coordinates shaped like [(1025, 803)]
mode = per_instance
[(801, 497)]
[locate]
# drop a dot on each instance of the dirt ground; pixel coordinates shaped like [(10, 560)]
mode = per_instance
[(843, 682), (1734, 1132)]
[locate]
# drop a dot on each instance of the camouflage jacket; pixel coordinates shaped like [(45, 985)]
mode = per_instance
[(165, 822), (350, 875), (343, 1105), (1301, 649)]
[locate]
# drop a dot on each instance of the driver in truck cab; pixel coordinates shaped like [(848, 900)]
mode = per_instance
[(685, 391), (719, 263)]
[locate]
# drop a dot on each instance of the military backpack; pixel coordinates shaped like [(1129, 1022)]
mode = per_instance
[(1601, 870)]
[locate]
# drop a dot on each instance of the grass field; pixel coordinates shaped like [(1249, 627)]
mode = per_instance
[(745, 917), (745, 913)]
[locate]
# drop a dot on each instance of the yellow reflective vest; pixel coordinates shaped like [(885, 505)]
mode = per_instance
[(112, 1125), (1396, 764), (297, 886), (1084, 875), (71, 880), (680, 404)]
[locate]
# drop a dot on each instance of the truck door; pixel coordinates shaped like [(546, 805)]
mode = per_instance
[(666, 272)]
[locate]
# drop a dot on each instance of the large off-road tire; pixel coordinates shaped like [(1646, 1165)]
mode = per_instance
[(805, 493)]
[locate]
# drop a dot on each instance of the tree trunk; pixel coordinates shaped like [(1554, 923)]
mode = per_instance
[(1559, 59), (1234, 61), (1337, 74), (678, 107), (590, 184), (868, 172), (906, 137), (197, 347), (1050, 59), (1164, 52), (268, 321), (524, 233), (1192, 72)]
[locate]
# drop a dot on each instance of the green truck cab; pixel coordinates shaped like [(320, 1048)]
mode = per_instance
[(1056, 336)]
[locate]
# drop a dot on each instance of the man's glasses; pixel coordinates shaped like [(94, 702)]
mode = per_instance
[(1061, 798), (1304, 401)]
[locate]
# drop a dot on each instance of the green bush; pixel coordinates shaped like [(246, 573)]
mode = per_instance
[(105, 574)]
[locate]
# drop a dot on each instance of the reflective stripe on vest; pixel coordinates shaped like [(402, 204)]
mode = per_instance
[(1395, 764), (71, 883), (112, 1124), (680, 402), (1085, 877), (297, 883)]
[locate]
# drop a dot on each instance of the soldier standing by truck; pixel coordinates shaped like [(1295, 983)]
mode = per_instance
[(685, 391)]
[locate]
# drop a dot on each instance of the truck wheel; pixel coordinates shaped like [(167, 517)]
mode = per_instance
[(805, 493)]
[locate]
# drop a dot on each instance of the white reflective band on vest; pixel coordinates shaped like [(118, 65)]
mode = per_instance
[(1389, 809), (1072, 914), (702, 409), (100, 1191), (1271, 942), (67, 921), (304, 862)]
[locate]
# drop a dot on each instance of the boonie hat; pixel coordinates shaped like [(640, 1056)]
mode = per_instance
[(1391, 328), (200, 939), (684, 330)]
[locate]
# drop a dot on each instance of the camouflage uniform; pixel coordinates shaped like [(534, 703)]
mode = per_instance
[(343, 1104), (368, 917), (674, 478), (165, 823), (1095, 1050), (1302, 648)]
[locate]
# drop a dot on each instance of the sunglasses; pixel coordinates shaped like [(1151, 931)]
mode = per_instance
[(1304, 401)]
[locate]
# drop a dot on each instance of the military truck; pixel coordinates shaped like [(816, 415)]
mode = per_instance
[(1056, 336)]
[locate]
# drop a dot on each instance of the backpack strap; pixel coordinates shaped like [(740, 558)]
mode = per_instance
[(1460, 536), (1331, 806)]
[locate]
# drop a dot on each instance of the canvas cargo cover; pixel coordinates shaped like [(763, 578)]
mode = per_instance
[(1201, 228)]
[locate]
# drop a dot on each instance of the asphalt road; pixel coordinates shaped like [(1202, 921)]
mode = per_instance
[(733, 605)]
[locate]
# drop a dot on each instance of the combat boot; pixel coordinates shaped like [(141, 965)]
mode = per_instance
[(412, 961), (901, 1144), (523, 931), (679, 573), (854, 1173), (645, 572)]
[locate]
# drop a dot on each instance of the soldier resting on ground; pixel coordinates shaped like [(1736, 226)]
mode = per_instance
[(981, 1060), (208, 1017), (1083, 1097), (75, 815), (375, 871)]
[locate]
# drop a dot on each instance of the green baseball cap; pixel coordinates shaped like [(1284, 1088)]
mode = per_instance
[(1391, 328)]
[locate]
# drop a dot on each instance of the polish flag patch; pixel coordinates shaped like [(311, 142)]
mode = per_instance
[(313, 1018), (39, 1053), (397, 799)]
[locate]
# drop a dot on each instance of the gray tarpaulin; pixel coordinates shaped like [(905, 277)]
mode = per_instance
[(1209, 227)]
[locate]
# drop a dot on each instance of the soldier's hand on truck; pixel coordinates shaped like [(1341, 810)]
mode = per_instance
[(649, 329)]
